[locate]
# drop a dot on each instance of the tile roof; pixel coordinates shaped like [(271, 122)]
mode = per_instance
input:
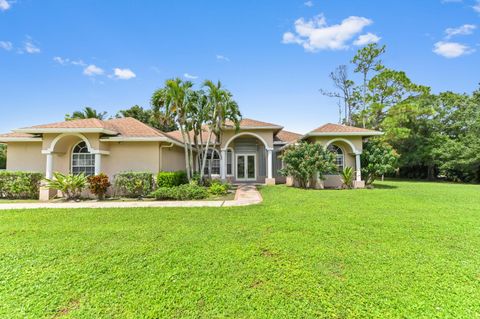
[(337, 128), (286, 136), (178, 135), (130, 127), (17, 135), (85, 123), (252, 123)]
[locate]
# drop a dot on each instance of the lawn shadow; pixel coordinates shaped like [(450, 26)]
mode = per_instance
[(383, 186)]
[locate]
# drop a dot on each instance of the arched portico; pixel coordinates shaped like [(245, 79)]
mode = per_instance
[(348, 147), (63, 145), (247, 159)]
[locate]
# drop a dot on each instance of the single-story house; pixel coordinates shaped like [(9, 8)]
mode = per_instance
[(249, 154)]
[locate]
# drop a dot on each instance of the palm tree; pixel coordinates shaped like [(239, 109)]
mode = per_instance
[(175, 99), (222, 108), (86, 113)]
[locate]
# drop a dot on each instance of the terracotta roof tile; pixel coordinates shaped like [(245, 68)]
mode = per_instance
[(130, 127), (19, 135), (252, 123), (337, 128), (286, 136), (85, 123)]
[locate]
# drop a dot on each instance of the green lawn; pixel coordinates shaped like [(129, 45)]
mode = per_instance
[(403, 250)]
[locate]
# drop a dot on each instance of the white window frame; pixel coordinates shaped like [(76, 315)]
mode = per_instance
[(232, 172), (338, 156), (208, 164), (91, 157), (246, 166)]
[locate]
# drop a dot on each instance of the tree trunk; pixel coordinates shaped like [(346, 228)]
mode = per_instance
[(185, 147), (204, 157)]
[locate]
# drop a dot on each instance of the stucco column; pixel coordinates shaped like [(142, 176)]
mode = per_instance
[(49, 168), (358, 166), (223, 165), (98, 163), (269, 164)]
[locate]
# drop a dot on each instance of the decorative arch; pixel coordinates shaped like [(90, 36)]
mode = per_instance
[(246, 133), (354, 150), (59, 137)]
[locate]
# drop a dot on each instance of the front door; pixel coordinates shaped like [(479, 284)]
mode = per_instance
[(246, 168)]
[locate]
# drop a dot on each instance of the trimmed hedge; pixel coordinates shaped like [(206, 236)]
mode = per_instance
[(134, 184), (20, 185), (171, 179), (182, 192)]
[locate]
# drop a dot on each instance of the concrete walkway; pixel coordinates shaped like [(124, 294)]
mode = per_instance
[(244, 196)]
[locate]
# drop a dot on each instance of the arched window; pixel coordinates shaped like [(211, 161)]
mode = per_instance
[(82, 160), (212, 165), (339, 156)]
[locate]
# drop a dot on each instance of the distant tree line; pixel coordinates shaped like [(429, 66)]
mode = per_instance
[(435, 135)]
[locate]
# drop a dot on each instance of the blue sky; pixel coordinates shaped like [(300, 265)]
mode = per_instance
[(58, 56)]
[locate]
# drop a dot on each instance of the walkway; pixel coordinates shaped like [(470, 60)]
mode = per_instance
[(245, 195)]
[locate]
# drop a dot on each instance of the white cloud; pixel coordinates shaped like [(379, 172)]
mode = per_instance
[(476, 7), (30, 47), (315, 35), (6, 45), (4, 5), (222, 57), (452, 49), (67, 61), (61, 60), (190, 76), (465, 29), (123, 74), (308, 3), (367, 38), (93, 70)]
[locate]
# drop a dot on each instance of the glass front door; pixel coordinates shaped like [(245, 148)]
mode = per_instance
[(246, 169)]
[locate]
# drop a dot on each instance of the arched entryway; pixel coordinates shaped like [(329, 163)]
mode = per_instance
[(346, 154), (247, 157)]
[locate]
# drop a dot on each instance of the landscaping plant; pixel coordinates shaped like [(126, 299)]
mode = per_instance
[(347, 177), (20, 185), (71, 185), (98, 185), (170, 179), (304, 160), (183, 192), (218, 188), (378, 158), (134, 184)]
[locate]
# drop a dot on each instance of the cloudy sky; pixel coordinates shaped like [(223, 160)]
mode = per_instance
[(58, 56)]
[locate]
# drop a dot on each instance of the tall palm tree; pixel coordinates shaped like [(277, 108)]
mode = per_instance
[(175, 99), (86, 113), (222, 108)]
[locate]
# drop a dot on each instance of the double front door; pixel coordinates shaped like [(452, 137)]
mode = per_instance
[(246, 168)]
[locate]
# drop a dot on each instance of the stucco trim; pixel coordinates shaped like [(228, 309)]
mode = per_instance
[(20, 139), (354, 149), (140, 139), (247, 133), (255, 128), (51, 149), (64, 130)]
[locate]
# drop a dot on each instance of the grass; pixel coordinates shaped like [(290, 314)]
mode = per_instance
[(402, 250)]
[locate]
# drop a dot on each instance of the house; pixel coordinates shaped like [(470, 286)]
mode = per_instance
[(250, 154)]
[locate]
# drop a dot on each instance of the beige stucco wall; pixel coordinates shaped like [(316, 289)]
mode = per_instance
[(333, 181), (66, 143), (131, 156), (266, 135), (25, 156), (172, 158)]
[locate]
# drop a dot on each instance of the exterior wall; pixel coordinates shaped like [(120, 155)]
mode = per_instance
[(333, 181), (266, 135), (25, 156), (172, 158), (131, 156)]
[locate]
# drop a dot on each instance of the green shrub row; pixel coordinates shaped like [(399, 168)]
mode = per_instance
[(20, 185), (182, 192), (171, 179), (134, 184)]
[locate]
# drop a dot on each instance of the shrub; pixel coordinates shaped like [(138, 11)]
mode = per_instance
[(20, 185), (134, 184), (182, 192), (170, 179), (71, 185), (218, 189), (302, 161), (378, 158), (98, 185), (347, 177)]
